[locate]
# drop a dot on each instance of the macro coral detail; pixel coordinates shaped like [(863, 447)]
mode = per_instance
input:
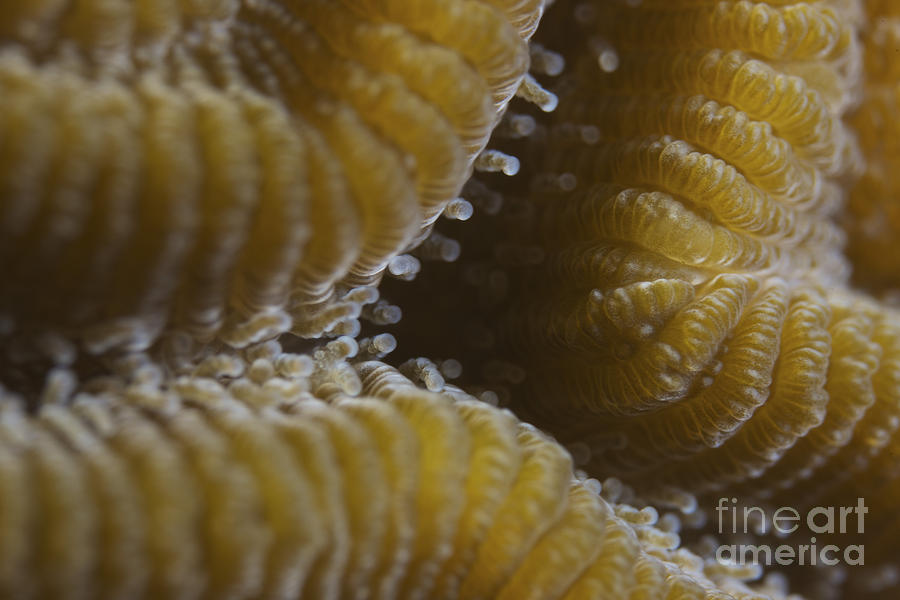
[(687, 318), (233, 170), (872, 220), (698, 314), (669, 295), (241, 493), (690, 286)]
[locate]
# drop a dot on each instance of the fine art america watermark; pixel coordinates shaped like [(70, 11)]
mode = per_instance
[(786, 520)]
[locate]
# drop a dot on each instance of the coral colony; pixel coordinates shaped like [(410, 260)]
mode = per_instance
[(449, 299)]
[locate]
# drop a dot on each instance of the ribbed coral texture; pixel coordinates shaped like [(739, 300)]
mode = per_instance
[(700, 314), (231, 170), (194, 193), (243, 493)]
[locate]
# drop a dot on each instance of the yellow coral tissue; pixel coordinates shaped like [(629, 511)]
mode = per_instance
[(449, 299)]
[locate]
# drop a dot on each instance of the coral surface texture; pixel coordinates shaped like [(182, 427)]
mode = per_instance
[(449, 299)]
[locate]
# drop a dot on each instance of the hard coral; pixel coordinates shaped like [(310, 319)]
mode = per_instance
[(247, 493), (220, 174), (670, 296), (229, 170), (695, 314)]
